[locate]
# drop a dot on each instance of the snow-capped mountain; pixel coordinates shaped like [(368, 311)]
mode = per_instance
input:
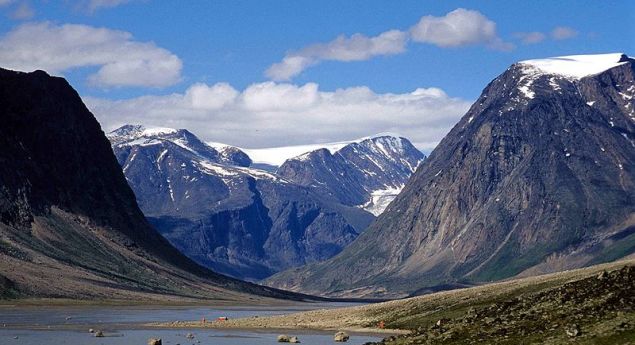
[(538, 176), (130, 136), (367, 173), (245, 222)]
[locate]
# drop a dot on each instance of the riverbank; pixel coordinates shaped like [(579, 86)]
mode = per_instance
[(418, 314), (124, 325)]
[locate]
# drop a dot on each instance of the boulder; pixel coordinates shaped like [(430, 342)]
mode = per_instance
[(154, 341), (283, 338), (341, 337), (573, 331), (99, 334), (294, 340)]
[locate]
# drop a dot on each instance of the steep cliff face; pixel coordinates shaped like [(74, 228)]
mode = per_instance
[(69, 223), (244, 222), (363, 173), (538, 176)]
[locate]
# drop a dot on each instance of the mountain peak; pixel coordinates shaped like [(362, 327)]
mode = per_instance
[(276, 156), (575, 66), (134, 131), (391, 140)]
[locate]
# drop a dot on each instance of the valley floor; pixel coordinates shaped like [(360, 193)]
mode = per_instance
[(594, 305)]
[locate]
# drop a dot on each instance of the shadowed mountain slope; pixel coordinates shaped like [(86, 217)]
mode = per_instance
[(69, 223), (538, 176)]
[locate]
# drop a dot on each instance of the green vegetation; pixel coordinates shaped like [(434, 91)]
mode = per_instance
[(593, 310)]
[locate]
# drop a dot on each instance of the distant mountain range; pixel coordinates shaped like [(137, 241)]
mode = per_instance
[(69, 223), (367, 173), (538, 176), (212, 204)]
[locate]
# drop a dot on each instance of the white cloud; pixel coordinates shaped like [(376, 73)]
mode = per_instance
[(563, 33), (270, 96), (201, 96), (121, 61), (355, 48), (460, 27), (280, 114), (289, 67), (558, 33), (530, 37)]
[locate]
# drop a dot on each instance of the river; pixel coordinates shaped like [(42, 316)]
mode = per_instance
[(125, 326)]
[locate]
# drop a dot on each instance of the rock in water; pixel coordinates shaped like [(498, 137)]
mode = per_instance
[(294, 340), (283, 338), (341, 337), (99, 334), (154, 341)]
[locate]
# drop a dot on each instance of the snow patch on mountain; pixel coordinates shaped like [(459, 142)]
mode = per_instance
[(380, 199), (575, 66), (276, 156)]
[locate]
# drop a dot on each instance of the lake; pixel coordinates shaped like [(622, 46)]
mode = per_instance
[(124, 325)]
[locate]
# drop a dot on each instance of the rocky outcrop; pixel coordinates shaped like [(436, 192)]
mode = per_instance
[(537, 177)]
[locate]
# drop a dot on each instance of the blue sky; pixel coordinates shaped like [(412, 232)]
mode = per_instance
[(235, 43)]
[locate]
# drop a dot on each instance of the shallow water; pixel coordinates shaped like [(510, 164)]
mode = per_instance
[(123, 325)]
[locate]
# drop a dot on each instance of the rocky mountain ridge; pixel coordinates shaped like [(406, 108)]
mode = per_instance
[(367, 173), (237, 220), (538, 176)]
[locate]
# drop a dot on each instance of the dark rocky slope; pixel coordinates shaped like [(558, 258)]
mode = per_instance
[(538, 176), (239, 221), (69, 223)]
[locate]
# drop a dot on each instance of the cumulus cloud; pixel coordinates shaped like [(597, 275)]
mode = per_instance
[(530, 37), (460, 27), (280, 114), (202, 96), (559, 33), (354, 48), (121, 61), (563, 33)]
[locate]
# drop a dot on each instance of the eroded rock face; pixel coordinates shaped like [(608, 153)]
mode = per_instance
[(538, 176)]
